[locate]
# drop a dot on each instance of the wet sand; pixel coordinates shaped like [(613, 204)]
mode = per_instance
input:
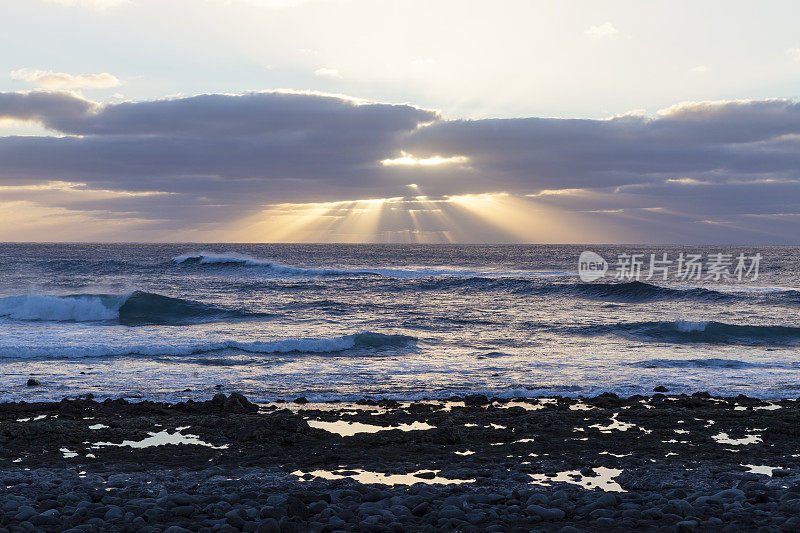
[(682, 463)]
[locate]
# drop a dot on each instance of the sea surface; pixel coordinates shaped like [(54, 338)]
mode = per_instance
[(350, 321)]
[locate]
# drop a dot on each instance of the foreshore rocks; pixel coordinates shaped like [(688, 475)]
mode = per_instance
[(664, 462)]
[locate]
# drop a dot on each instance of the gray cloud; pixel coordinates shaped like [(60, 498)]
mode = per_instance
[(733, 138), (45, 107), (275, 145), (222, 155)]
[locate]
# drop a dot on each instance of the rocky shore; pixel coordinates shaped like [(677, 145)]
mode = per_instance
[(666, 462)]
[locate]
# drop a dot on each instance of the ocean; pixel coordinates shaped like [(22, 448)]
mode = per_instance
[(179, 321)]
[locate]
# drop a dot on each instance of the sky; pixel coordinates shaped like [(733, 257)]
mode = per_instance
[(659, 122)]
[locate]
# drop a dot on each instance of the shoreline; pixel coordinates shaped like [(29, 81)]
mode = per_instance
[(46, 391), (663, 461)]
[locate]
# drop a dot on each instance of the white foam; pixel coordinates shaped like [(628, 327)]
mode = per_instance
[(279, 346), (687, 326), (410, 272), (81, 308), (210, 258), (754, 289)]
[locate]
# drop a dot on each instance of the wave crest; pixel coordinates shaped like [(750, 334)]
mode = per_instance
[(137, 308), (686, 332), (234, 260), (74, 308), (244, 260), (330, 345), (639, 291)]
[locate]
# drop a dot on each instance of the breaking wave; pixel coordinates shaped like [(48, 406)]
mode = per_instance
[(243, 260), (137, 308), (365, 340), (638, 291), (632, 291), (686, 332), (539, 283)]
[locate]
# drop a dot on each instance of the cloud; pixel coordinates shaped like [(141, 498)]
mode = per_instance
[(45, 107), (213, 161), (603, 31), (327, 72), (699, 69), (735, 137), (61, 80), (231, 147), (793, 54)]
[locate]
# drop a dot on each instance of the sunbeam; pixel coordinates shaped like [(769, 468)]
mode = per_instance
[(489, 217)]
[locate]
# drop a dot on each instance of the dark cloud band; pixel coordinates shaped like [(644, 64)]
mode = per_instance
[(244, 151)]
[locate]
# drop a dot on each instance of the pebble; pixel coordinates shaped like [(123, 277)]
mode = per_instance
[(132, 494), (544, 513)]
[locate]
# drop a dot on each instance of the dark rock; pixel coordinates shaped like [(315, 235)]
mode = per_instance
[(183, 510), (421, 509), (476, 399), (270, 525), (792, 524), (234, 518), (301, 400), (246, 486), (33, 382), (114, 513), (366, 401), (24, 513), (661, 388), (176, 529), (450, 511), (237, 403), (607, 499), (686, 526), (295, 507), (545, 513), (476, 516)]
